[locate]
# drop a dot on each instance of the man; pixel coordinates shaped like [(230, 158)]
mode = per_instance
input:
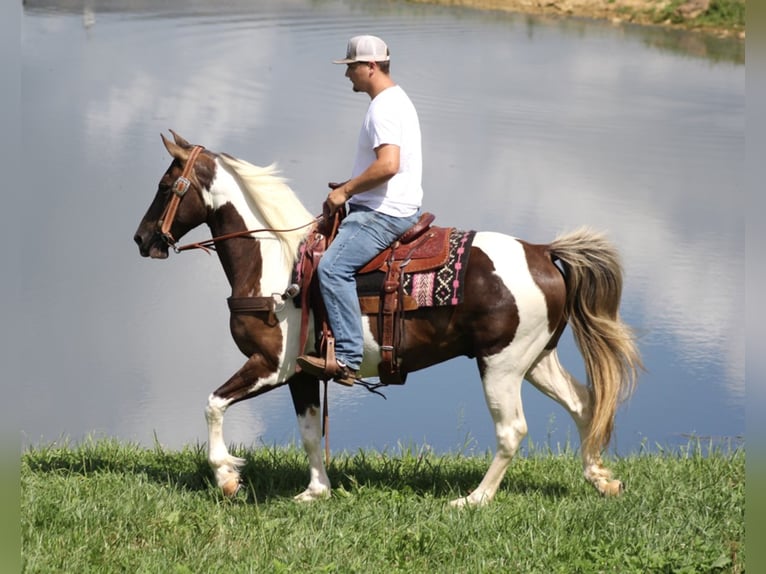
[(384, 196)]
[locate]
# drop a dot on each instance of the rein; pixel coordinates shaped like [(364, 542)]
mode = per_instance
[(209, 244), (179, 189)]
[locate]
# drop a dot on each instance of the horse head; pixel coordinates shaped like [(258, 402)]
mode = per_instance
[(178, 206)]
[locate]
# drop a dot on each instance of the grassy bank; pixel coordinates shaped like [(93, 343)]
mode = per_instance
[(718, 17), (109, 507)]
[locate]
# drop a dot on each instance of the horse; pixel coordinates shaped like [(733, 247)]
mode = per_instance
[(518, 298)]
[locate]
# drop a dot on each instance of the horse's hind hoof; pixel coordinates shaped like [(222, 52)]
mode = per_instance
[(310, 495)]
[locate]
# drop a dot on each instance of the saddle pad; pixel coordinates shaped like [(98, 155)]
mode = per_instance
[(435, 288)]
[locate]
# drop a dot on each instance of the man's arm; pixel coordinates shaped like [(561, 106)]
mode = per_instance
[(385, 166)]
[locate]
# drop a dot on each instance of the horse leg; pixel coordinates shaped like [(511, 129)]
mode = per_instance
[(502, 390), (251, 380), (225, 466), (556, 382), (305, 393)]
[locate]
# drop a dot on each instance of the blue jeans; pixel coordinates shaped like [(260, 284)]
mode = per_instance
[(362, 235)]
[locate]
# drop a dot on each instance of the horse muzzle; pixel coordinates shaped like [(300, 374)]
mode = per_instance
[(155, 246)]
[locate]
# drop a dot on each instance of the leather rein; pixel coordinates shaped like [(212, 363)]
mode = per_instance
[(179, 189), (209, 244)]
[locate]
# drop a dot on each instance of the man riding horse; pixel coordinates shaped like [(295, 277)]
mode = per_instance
[(384, 196)]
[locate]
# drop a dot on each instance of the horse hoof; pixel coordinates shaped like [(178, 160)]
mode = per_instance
[(613, 488), (231, 487), (309, 495), (471, 500)]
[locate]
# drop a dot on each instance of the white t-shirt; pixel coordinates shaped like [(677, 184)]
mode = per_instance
[(391, 119)]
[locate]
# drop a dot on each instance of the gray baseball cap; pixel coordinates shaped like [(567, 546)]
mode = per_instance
[(365, 49)]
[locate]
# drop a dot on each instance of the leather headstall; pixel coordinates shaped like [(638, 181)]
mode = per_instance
[(179, 188)]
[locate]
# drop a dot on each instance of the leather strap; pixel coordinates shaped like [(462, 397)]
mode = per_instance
[(311, 298), (180, 187), (391, 309), (208, 244), (250, 304), (254, 305), (331, 366), (314, 250)]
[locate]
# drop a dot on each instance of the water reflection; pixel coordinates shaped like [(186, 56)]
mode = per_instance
[(531, 127), (700, 45)]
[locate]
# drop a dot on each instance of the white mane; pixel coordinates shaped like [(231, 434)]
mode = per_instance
[(278, 205)]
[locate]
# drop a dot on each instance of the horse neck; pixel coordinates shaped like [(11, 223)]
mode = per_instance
[(253, 266)]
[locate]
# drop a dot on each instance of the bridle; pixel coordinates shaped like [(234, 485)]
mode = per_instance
[(179, 188)]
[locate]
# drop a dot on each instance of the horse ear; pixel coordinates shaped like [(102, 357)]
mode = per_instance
[(179, 140), (175, 150)]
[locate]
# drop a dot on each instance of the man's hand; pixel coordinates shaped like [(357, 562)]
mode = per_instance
[(335, 199)]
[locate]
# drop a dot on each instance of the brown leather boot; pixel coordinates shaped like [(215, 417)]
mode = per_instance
[(345, 376), (316, 366)]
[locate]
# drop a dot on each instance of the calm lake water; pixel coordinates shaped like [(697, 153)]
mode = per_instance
[(530, 127)]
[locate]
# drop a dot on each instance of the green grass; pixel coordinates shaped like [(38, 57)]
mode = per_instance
[(724, 14), (105, 506), (721, 14)]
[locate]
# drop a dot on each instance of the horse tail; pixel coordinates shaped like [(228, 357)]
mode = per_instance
[(593, 277)]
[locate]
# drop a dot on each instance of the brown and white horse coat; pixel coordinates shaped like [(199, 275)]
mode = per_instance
[(516, 304)]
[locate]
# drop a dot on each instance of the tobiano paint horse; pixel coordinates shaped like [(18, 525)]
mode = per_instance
[(516, 303)]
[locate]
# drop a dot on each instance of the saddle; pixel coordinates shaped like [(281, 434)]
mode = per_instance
[(421, 248)]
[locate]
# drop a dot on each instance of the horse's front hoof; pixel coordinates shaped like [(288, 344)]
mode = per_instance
[(613, 488), (470, 500), (231, 487)]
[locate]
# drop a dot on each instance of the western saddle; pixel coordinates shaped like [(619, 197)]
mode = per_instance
[(421, 248)]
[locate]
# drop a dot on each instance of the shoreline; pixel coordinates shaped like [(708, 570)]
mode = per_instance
[(685, 16)]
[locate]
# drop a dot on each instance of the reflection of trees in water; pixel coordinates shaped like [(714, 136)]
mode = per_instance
[(685, 42), (677, 41), (698, 45)]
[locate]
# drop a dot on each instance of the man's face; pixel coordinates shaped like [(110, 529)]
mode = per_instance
[(358, 73)]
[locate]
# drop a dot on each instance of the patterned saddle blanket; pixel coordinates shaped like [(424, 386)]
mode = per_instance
[(424, 283)]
